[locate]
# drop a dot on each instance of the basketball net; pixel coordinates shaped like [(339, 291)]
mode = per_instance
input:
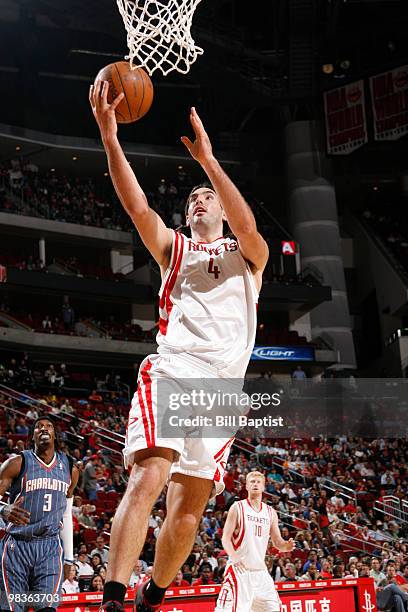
[(159, 34)]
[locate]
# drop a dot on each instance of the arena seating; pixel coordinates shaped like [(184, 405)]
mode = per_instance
[(319, 488), (110, 328)]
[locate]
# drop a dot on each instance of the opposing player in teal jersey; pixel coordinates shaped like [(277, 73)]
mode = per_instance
[(38, 517)]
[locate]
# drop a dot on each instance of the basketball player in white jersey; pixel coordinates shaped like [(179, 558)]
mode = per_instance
[(210, 287), (250, 523)]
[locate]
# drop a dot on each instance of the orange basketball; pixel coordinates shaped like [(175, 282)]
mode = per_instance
[(135, 84)]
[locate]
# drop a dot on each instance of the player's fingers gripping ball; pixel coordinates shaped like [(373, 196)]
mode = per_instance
[(136, 86)]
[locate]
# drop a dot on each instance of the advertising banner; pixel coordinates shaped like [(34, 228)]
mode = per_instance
[(346, 124), (389, 97), (283, 353), (318, 596)]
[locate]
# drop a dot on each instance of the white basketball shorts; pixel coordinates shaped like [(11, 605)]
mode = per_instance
[(250, 591), (199, 457)]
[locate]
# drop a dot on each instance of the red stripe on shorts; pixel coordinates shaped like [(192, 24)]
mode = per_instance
[(230, 574), (144, 414), (223, 449), (148, 387)]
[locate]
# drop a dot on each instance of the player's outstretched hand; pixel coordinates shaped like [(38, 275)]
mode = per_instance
[(200, 149), (104, 112), (13, 513)]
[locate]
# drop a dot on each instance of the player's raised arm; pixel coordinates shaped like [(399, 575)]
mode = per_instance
[(239, 215), (12, 513), (277, 540), (155, 235)]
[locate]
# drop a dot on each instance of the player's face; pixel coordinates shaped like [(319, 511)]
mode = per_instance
[(44, 434), (204, 208), (255, 485)]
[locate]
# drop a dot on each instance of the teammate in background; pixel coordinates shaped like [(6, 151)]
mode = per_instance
[(250, 523), (210, 287), (38, 517)]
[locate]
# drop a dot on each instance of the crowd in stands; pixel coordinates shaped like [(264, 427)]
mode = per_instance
[(70, 266), (324, 491), (67, 321), (107, 385), (25, 190)]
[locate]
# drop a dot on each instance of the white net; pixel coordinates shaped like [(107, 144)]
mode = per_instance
[(159, 34)]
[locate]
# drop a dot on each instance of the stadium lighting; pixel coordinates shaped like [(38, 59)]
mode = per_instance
[(328, 68)]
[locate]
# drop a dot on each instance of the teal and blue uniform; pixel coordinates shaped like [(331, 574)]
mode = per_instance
[(31, 571)]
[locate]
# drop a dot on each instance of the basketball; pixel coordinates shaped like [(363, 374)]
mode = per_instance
[(135, 84)]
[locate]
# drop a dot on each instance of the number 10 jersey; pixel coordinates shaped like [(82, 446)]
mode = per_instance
[(251, 536)]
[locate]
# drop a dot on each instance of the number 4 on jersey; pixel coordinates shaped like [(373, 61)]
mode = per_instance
[(213, 269)]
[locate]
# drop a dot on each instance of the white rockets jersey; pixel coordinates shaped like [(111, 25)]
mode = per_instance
[(207, 305), (251, 536)]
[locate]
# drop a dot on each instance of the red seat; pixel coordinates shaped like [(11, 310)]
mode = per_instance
[(89, 535), (112, 496)]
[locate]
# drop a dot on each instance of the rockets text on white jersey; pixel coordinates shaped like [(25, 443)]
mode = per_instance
[(208, 305), (251, 536)]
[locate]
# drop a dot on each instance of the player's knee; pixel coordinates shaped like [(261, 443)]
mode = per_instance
[(145, 481), (185, 523)]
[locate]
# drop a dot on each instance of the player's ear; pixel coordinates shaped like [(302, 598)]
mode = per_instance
[(187, 221)]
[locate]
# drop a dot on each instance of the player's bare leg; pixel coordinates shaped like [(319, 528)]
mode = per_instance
[(129, 527), (186, 499)]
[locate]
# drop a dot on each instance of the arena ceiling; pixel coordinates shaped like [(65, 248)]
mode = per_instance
[(261, 67)]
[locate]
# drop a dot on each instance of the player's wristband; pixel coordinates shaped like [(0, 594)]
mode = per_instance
[(67, 532)]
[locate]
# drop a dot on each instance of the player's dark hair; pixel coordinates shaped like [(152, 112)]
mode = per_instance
[(51, 419), (204, 185)]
